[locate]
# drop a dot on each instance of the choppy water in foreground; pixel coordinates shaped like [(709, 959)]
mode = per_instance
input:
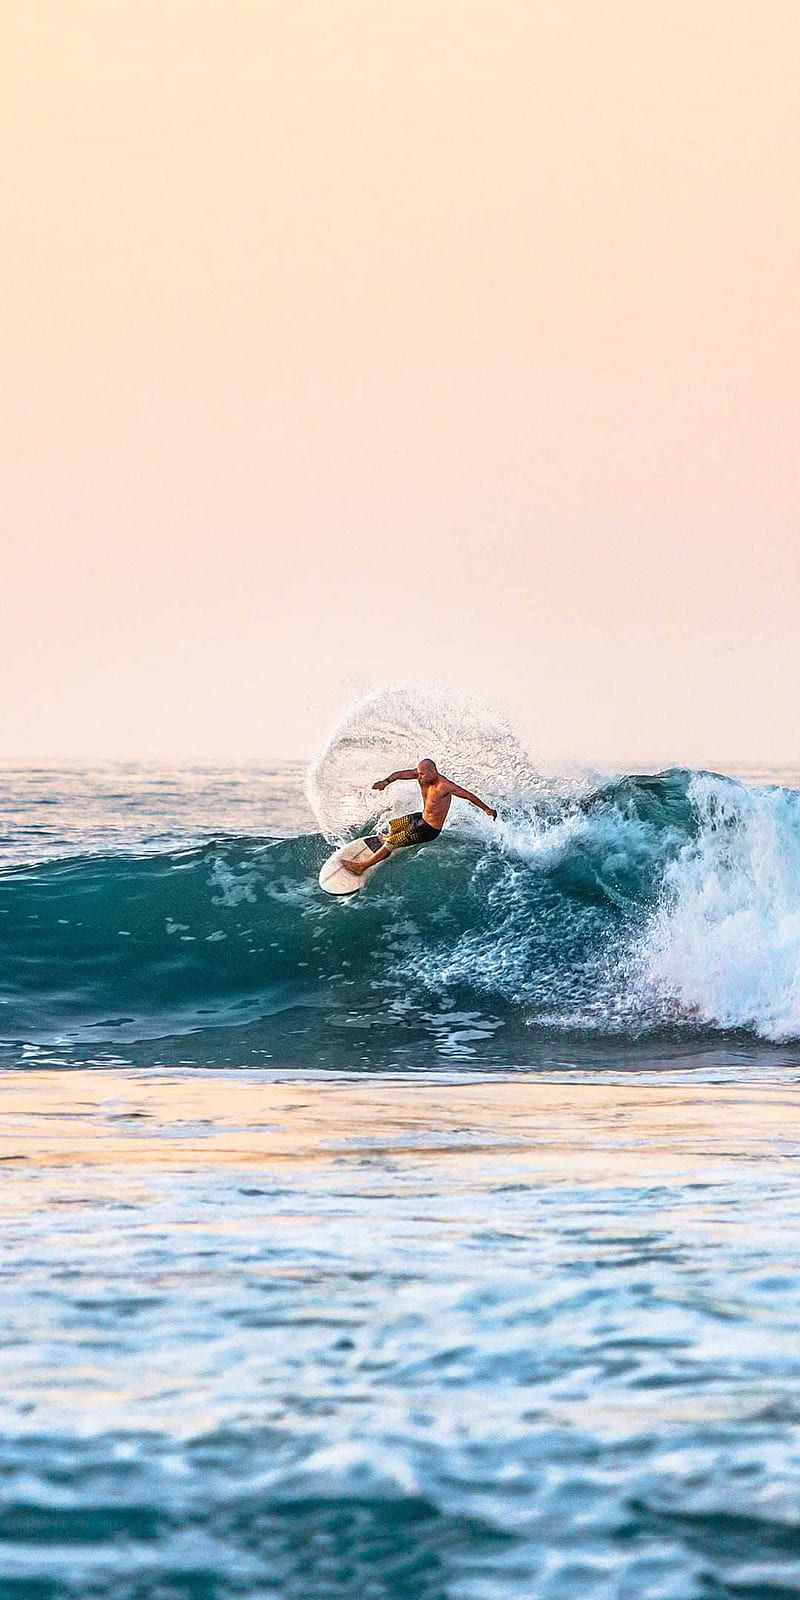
[(398, 1338), (437, 1246)]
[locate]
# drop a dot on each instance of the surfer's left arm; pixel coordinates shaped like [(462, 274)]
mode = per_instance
[(474, 800), (395, 777)]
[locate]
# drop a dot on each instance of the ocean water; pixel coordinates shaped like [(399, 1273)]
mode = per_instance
[(440, 1243)]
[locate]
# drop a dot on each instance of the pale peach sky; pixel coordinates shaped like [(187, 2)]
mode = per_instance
[(350, 340)]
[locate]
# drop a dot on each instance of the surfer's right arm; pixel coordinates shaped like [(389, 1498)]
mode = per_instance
[(407, 772)]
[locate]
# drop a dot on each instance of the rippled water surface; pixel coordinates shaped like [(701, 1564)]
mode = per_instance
[(330, 1273), (398, 1338)]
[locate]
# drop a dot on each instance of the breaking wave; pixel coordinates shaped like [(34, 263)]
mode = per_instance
[(650, 902)]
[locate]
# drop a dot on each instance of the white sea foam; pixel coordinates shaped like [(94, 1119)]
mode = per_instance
[(725, 945)]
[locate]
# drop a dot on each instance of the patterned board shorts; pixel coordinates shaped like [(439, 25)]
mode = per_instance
[(404, 831)]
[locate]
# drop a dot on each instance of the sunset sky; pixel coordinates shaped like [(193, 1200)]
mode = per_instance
[(351, 340)]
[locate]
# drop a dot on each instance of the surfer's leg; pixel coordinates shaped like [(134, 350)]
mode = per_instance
[(359, 867), (403, 831)]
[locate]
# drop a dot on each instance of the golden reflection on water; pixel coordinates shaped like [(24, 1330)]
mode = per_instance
[(476, 1133)]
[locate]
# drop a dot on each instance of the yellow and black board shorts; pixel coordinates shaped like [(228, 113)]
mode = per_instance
[(404, 831)]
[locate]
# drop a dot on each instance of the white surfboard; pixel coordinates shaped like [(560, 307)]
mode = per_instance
[(335, 879)]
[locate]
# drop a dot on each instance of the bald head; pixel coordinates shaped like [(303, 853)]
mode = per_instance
[(427, 770)]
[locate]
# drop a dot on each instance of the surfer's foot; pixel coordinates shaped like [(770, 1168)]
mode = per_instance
[(356, 867)]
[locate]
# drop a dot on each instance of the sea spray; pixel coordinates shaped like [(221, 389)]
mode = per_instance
[(396, 726)]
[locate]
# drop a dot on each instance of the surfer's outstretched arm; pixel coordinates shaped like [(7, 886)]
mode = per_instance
[(407, 772), (466, 794)]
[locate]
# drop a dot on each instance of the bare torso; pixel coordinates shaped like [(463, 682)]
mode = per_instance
[(436, 798)]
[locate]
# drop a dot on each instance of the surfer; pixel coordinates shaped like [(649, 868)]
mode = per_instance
[(419, 827)]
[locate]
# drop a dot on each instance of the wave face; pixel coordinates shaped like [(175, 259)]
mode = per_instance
[(666, 902)]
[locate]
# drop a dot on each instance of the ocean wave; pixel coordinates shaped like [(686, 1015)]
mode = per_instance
[(647, 902)]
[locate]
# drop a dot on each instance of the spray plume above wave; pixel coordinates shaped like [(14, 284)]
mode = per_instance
[(399, 724)]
